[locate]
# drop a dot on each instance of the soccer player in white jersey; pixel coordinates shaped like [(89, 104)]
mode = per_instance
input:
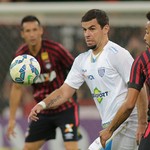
[(105, 67)]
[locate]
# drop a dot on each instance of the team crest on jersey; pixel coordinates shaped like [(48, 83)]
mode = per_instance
[(44, 56), (101, 71), (46, 60)]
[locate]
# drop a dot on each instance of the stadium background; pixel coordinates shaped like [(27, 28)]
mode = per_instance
[(61, 23)]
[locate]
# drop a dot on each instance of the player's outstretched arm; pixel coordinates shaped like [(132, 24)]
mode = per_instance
[(15, 97), (56, 98), (122, 114)]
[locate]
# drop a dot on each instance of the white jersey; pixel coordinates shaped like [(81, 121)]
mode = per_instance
[(107, 76)]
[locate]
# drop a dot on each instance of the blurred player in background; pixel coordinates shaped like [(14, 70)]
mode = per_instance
[(55, 62), (105, 67), (140, 74)]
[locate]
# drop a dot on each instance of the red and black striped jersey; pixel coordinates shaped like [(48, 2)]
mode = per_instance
[(140, 72), (55, 62)]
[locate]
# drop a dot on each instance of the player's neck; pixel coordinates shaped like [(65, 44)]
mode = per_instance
[(97, 52), (100, 47), (34, 50)]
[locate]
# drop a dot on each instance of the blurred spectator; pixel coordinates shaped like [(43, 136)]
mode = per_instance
[(135, 46)]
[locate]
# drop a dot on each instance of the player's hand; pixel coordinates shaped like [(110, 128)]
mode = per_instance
[(104, 136), (10, 129), (33, 114), (140, 132)]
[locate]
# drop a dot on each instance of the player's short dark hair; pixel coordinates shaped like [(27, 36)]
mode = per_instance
[(148, 15), (97, 14), (30, 18)]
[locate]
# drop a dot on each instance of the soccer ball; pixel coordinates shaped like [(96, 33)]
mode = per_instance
[(24, 69)]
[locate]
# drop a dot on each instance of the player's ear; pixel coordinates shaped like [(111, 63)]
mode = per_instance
[(106, 28)]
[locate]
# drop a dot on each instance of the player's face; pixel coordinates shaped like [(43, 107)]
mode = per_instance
[(32, 33), (94, 34), (147, 34)]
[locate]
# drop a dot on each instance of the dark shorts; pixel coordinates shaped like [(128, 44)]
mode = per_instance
[(145, 141), (45, 127)]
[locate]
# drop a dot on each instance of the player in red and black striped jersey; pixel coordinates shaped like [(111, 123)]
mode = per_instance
[(55, 62), (140, 75)]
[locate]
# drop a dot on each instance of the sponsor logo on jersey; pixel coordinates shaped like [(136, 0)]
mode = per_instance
[(46, 77), (69, 136), (84, 70), (68, 131), (48, 65), (99, 95), (69, 127), (90, 77)]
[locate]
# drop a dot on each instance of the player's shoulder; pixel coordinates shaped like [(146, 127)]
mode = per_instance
[(22, 49), (81, 59), (114, 48), (52, 45), (84, 54), (143, 57), (50, 42)]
